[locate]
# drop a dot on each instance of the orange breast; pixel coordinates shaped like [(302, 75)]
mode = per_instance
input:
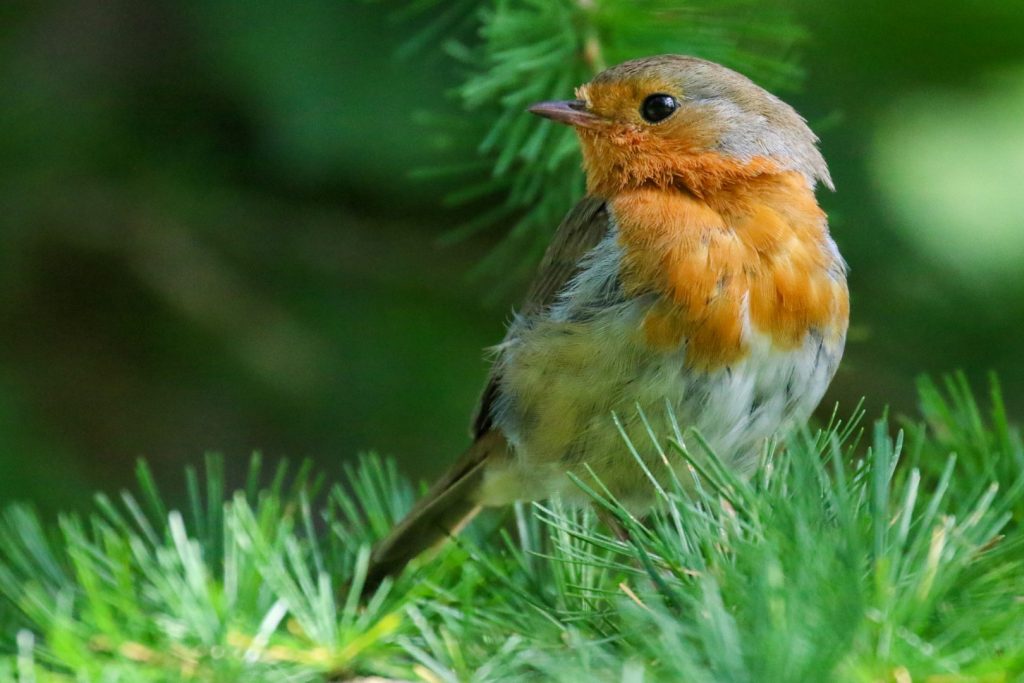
[(762, 243)]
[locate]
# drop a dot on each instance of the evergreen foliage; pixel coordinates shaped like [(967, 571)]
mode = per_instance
[(853, 555), (895, 559), (517, 52)]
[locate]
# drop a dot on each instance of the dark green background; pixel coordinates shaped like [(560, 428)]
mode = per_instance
[(210, 240)]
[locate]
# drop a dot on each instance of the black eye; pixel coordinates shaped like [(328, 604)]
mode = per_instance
[(658, 107)]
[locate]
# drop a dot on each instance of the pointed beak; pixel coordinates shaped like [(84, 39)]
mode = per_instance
[(571, 112)]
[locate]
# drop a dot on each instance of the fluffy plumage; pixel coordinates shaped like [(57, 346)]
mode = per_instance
[(697, 282)]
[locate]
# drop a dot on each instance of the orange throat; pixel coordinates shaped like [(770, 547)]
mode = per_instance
[(731, 252)]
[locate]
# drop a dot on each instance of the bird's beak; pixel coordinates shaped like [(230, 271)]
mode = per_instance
[(571, 112)]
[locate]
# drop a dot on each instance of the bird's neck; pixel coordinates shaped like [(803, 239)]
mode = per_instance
[(752, 256), (628, 159), (702, 175)]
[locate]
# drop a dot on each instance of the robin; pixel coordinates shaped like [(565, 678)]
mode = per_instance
[(696, 284)]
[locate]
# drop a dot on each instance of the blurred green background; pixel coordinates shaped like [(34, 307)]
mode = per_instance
[(210, 239)]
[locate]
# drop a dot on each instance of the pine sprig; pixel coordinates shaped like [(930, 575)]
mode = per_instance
[(527, 174), (835, 562)]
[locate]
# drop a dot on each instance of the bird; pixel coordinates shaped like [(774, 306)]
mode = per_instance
[(695, 284)]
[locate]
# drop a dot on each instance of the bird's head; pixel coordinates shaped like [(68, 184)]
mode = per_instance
[(675, 120)]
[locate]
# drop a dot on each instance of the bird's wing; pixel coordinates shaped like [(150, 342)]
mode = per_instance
[(453, 499), (580, 231)]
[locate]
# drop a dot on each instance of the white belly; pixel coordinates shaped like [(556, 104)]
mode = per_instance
[(565, 374)]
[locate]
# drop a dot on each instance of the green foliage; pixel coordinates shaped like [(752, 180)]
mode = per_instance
[(526, 51), (835, 562)]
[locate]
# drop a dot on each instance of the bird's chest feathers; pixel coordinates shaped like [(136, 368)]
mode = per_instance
[(752, 258)]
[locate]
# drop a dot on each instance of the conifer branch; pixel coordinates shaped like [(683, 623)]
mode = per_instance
[(527, 172)]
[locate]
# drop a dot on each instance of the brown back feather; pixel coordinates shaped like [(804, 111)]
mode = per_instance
[(452, 500), (580, 231)]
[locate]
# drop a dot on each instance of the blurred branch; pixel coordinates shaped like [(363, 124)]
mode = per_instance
[(201, 285)]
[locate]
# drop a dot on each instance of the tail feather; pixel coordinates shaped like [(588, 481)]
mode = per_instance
[(448, 506)]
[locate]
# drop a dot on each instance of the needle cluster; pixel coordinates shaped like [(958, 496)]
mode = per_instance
[(855, 554), (513, 53)]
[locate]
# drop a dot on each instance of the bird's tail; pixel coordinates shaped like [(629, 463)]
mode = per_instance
[(448, 506)]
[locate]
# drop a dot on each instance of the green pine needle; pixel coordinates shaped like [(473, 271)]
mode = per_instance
[(896, 561), (514, 53)]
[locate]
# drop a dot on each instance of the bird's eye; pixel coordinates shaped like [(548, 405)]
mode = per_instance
[(658, 107)]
